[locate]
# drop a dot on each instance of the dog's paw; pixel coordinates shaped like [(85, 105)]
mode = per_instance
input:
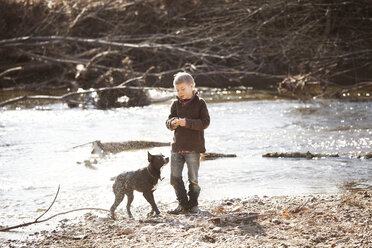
[(152, 214), (113, 216)]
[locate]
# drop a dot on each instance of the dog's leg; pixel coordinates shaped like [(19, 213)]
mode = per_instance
[(149, 196), (130, 199), (119, 196)]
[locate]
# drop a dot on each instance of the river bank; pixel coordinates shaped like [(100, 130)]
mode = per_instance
[(92, 44), (324, 220)]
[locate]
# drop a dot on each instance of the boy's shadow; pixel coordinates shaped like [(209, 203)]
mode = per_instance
[(247, 223)]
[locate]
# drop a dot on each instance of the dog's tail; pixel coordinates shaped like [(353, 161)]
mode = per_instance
[(112, 178)]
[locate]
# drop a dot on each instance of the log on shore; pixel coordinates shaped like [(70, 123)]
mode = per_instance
[(104, 148), (306, 87), (307, 155), (301, 86), (213, 156), (102, 98), (366, 156)]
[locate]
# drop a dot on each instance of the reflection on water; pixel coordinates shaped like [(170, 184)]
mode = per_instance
[(36, 151)]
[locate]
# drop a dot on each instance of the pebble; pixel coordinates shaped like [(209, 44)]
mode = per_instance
[(236, 209), (187, 226), (77, 237), (148, 229), (276, 221), (127, 231)]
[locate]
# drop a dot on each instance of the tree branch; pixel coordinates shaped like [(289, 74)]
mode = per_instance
[(36, 221), (20, 41), (65, 97)]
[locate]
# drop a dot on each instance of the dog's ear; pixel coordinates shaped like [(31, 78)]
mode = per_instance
[(149, 156)]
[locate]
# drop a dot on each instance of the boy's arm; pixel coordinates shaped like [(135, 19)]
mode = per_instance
[(203, 122), (172, 117)]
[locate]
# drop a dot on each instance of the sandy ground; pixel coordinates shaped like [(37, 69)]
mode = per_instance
[(341, 220)]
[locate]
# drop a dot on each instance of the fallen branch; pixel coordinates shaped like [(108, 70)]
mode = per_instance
[(36, 221), (19, 41), (213, 156), (18, 68), (66, 97), (307, 155)]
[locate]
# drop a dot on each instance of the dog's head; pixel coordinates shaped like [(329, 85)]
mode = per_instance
[(157, 161)]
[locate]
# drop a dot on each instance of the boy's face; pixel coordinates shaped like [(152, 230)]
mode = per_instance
[(184, 90)]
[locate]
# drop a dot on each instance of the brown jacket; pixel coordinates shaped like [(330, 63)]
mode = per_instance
[(190, 137)]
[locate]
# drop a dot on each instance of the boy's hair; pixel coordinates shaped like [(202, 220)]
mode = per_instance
[(183, 77)]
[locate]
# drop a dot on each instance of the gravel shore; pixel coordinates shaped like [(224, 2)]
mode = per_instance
[(341, 220)]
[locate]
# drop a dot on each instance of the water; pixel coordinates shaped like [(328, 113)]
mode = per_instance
[(37, 154)]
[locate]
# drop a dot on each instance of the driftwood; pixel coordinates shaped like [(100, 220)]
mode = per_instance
[(307, 155), (365, 156), (301, 86), (306, 87), (38, 220), (115, 147), (106, 97), (105, 148), (213, 156)]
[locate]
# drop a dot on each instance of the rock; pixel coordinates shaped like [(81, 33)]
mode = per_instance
[(126, 231), (77, 237), (276, 221), (217, 229), (187, 226), (236, 209), (208, 239), (147, 229), (216, 220)]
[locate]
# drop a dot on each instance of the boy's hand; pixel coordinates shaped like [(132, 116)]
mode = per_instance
[(179, 122), (175, 122), (182, 122)]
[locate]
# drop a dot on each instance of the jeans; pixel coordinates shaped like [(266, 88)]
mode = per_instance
[(192, 160)]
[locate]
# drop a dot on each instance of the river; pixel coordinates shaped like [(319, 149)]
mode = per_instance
[(37, 153)]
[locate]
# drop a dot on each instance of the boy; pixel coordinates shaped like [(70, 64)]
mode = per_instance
[(188, 118)]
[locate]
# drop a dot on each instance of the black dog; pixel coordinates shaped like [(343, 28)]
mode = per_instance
[(143, 180)]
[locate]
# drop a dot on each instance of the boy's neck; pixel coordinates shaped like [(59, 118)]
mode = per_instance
[(187, 101)]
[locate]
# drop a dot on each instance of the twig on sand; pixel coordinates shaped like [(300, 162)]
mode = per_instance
[(37, 220)]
